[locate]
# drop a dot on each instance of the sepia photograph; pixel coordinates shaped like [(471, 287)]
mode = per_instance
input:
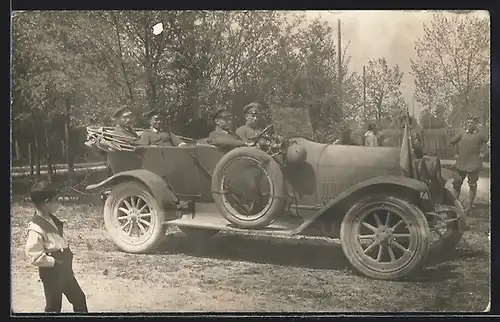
[(250, 161)]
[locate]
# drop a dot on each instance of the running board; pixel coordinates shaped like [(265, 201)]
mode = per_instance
[(208, 220)]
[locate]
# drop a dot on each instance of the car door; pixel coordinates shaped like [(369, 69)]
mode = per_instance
[(207, 158), (177, 165)]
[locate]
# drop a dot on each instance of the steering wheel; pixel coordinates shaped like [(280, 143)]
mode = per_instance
[(257, 139)]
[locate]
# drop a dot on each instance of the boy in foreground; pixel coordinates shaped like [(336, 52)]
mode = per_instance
[(47, 249)]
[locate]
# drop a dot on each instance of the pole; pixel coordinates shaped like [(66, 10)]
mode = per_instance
[(68, 153), (364, 91), (339, 63)]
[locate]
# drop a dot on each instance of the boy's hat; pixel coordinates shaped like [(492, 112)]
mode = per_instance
[(43, 191)]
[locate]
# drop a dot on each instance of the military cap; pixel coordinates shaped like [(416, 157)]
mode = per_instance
[(252, 105), (217, 113), (42, 191), (121, 111), (153, 112)]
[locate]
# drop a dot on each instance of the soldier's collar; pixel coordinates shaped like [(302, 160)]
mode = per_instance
[(222, 130)]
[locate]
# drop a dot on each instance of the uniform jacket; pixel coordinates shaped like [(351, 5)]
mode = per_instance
[(469, 148), (126, 131), (224, 139), (154, 137), (247, 133)]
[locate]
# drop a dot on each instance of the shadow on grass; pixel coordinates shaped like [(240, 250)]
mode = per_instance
[(437, 273), (442, 268), (264, 250), (292, 253)]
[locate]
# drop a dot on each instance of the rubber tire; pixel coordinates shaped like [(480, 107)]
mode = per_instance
[(134, 188), (198, 233), (416, 261), (277, 181)]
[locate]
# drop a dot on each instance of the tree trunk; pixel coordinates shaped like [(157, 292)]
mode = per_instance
[(50, 170), (16, 148), (30, 159), (35, 141), (68, 152)]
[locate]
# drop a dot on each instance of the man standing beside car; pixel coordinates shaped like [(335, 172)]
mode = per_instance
[(469, 145), (249, 131)]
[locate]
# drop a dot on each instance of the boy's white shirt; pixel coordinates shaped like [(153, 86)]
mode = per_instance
[(40, 242)]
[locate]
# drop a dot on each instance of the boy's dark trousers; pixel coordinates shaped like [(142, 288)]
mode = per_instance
[(59, 280)]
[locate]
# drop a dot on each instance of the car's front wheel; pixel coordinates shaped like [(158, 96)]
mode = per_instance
[(385, 237), (133, 218)]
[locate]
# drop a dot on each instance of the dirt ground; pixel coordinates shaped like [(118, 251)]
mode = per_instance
[(246, 273)]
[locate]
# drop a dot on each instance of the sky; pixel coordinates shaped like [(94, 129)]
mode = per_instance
[(375, 34)]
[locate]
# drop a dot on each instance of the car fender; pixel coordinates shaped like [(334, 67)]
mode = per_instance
[(373, 183), (157, 186)]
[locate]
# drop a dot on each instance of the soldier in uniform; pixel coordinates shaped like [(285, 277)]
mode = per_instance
[(158, 133), (469, 145), (249, 131), (125, 131), (222, 136), (47, 249), (124, 122), (246, 186)]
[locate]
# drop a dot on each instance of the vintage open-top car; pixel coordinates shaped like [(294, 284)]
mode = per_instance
[(286, 184)]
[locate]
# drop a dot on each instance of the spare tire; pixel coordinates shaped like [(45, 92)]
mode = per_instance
[(238, 213)]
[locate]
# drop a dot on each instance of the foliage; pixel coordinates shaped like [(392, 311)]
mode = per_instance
[(453, 66), (383, 90), (428, 120), (85, 64)]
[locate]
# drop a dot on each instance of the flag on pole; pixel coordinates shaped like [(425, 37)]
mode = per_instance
[(406, 157)]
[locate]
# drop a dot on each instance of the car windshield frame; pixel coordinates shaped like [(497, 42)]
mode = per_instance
[(291, 121)]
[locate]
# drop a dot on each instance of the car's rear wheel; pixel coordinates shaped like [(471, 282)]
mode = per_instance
[(198, 233), (248, 188), (385, 237), (133, 218)]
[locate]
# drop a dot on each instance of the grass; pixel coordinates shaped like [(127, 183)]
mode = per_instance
[(242, 273)]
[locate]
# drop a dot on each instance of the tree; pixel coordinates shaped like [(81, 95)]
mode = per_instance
[(428, 120), (383, 90), (452, 66)]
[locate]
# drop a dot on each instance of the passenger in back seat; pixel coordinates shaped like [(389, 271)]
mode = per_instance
[(158, 133)]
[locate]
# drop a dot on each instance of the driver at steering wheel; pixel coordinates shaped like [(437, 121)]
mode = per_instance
[(222, 136), (249, 131)]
